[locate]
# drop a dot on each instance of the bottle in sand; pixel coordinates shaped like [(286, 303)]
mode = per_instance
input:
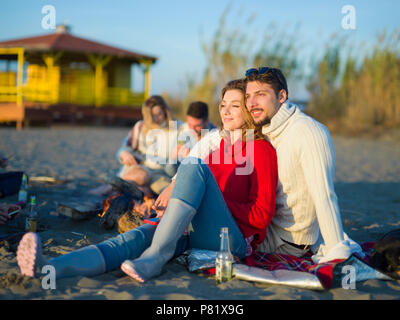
[(31, 220), (23, 190), (223, 263)]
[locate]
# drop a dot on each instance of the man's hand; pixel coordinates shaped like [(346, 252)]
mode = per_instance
[(127, 158), (162, 201), (5, 209)]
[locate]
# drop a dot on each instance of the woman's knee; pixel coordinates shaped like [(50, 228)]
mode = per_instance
[(139, 176), (192, 164), (143, 178)]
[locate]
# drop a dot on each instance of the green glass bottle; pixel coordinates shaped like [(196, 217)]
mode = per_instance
[(23, 190), (223, 263), (31, 220)]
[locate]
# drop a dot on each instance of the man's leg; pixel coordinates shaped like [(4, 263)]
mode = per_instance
[(274, 244)]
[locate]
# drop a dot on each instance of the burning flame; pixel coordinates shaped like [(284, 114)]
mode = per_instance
[(107, 203), (144, 208), (148, 202)]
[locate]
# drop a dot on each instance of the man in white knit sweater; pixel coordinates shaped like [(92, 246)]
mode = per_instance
[(307, 214)]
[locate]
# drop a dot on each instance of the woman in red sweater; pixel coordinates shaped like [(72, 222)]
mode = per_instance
[(232, 187)]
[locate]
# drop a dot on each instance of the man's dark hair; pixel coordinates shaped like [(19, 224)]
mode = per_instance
[(274, 77), (198, 109)]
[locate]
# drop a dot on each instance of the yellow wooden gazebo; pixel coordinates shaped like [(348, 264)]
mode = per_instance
[(60, 68)]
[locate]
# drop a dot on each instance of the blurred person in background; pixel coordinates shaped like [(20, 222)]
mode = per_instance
[(145, 151), (190, 132)]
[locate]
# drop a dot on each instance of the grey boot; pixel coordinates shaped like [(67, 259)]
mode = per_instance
[(172, 226), (88, 261)]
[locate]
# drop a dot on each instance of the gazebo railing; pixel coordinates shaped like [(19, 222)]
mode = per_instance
[(8, 94), (71, 94)]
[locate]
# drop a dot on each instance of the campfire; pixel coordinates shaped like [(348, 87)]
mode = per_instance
[(107, 202), (144, 208)]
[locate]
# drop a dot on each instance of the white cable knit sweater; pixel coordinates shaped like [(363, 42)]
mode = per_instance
[(306, 204)]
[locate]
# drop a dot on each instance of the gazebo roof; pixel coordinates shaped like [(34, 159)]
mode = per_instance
[(62, 40)]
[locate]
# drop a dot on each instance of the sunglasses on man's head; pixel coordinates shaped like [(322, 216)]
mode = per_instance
[(261, 70)]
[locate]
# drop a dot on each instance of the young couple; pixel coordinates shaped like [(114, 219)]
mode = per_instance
[(286, 203)]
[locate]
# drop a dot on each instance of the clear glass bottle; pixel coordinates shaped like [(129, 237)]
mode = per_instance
[(223, 263), (31, 220), (23, 190)]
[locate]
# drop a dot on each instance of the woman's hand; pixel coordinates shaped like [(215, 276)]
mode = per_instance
[(180, 151), (142, 209), (183, 152), (127, 158), (162, 201), (5, 209)]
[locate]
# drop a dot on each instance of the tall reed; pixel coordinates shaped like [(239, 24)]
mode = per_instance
[(233, 49), (354, 94)]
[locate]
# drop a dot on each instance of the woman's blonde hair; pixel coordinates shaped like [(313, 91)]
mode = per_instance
[(148, 105), (240, 85)]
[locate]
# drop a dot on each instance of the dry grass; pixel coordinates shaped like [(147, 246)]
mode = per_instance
[(353, 98)]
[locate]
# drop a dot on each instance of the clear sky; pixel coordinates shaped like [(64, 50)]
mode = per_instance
[(170, 30)]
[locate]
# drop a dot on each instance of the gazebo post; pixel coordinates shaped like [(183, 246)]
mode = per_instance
[(99, 62), (53, 75), (147, 77), (20, 103)]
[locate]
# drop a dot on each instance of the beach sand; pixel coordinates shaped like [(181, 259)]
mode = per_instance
[(367, 183)]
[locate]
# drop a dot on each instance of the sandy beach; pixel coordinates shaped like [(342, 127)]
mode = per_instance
[(367, 183)]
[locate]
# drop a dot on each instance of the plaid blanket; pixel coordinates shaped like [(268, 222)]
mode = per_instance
[(329, 273), (326, 272)]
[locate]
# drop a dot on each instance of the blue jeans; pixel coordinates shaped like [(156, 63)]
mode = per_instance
[(196, 186)]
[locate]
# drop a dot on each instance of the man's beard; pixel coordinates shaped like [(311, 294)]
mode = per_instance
[(263, 122)]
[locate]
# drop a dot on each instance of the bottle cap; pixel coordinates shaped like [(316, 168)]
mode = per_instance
[(33, 200)]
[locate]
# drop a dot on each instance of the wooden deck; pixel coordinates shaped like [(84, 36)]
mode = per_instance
[(49, 114), (11, 112)]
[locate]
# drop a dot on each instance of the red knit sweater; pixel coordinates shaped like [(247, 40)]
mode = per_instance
[(250, 195)]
